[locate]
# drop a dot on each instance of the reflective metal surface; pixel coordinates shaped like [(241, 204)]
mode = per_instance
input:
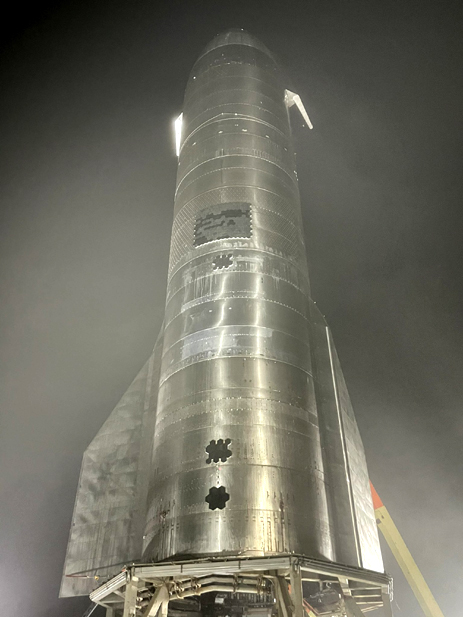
[(256, 450), (109, 513), (352, 518)]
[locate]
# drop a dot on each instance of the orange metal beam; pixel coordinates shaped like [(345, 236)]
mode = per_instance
[(404, 558)]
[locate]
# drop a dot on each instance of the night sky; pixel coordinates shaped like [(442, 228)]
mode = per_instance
[(89, 94)]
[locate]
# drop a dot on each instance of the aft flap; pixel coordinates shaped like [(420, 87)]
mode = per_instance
[(109, 512), (291, 98)]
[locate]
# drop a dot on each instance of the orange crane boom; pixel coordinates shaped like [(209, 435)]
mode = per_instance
[(404, 558)]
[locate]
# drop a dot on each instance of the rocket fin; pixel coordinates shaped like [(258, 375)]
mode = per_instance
[(109, 512), (291, 98), (350, 504), (367, 531)]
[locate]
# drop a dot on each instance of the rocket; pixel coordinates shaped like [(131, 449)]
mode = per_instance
[(237, 437)]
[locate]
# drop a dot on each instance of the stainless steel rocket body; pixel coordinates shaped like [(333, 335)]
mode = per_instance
[(256, 450), (236, 361)]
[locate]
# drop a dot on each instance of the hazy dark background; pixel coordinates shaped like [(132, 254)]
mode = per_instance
[(89, 93)]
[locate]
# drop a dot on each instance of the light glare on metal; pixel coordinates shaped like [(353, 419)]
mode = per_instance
[(178, 133)]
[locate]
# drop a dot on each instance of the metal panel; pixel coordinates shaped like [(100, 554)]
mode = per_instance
[(355, 534), (269, 233), (367, 530), (236, 362), (341, 512), (109, 512), (247, 359)]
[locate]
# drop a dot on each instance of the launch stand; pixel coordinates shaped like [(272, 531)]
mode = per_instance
[(276, 584)]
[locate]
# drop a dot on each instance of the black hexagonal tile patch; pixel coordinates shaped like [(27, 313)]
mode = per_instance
[(218, 451), (217, 498), (222, 262)]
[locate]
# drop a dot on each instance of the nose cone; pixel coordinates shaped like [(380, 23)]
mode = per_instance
[(235, 36)]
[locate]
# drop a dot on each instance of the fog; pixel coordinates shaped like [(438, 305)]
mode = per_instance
[(90, 92)]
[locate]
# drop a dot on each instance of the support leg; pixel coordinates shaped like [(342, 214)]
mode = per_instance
[(352, 608), (164, 608), (387, 609), (160, 598), (296, 590), (285, 607), (130, 603)]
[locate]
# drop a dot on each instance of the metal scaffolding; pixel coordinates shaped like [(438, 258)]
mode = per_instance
[(145, 590)]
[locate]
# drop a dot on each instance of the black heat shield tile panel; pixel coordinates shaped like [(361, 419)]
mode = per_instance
[(229, 220)]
